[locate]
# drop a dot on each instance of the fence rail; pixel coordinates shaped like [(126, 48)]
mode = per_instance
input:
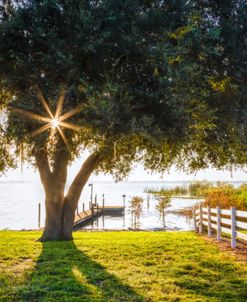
[(231, 222)]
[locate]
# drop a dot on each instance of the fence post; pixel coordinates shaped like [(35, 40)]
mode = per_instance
[(39, 214), (194, 218), (218, 223), (209, 222), (233, 227), (200, 221)]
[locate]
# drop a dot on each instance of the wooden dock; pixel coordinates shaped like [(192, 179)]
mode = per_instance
[(83, 218)]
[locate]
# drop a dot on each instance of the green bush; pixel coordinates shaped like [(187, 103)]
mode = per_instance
[(199, 188)]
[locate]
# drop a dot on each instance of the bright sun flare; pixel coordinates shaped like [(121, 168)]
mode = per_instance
[(54, 123)]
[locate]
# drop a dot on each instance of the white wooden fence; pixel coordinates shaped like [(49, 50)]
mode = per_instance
[(231, 222)]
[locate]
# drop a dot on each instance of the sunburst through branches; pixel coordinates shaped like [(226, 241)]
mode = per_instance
[(53, 122)]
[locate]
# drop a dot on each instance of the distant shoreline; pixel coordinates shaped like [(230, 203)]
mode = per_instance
[(129, 181)]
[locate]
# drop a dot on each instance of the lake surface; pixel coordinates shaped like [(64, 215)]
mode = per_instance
[(19, 205)]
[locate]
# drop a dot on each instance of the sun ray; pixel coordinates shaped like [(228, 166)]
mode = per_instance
[(54, 125), (31, 115), (55, 121), (69, 126), (60, 103), (70, 113), (42, 100), (52, 133), (39, 130), (63, 137)]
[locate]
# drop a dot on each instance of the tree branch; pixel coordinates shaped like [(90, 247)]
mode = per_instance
[(82, 177), (60, 166), (37, 91), (43, 166)]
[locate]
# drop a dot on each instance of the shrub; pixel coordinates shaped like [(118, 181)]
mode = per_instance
[(199, 188), (136, 204), (227, 196), (163, 202)]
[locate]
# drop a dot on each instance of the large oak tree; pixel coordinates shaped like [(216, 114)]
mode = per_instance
[(160, 82)]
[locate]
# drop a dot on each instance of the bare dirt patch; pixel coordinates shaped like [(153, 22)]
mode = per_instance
[(240, 252)]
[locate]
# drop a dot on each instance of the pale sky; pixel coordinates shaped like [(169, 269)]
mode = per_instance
[(138, 174)]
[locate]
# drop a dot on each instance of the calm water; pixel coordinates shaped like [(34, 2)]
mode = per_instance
[(19, 205)]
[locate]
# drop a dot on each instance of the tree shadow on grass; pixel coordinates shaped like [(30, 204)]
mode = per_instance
[(214, 280), (64, 273)]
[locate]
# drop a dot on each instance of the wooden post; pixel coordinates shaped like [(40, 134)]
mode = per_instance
[(103, 201), (200, 215), (39, 214), (148, 201), (209, 222), (124, 220), (194, 218), (233, 227), (132, 219), (124, 199), (91, 197), (218, 223), (92, 211)]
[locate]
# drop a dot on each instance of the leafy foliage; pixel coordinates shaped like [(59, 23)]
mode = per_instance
[(218, 194), (227, 196), (136, 204), (7, 159), (163, 202), (199, 188), (161, 82), (178, 190)]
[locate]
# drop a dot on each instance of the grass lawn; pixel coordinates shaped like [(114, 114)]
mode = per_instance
[(118, 267)]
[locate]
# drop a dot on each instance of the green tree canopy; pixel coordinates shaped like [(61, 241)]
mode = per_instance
[(161, 82)]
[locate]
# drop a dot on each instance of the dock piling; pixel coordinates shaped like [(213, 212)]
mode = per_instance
[(124, 199), (103, 201)]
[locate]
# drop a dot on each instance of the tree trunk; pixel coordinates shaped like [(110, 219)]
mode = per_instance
[(74, 193), (60, 209), (53, 221)]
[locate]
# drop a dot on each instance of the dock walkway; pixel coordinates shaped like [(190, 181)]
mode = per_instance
[(81, 219)]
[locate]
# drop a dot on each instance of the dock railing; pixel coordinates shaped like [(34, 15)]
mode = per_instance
[(221, 221)]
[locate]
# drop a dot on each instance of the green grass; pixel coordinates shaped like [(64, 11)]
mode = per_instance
[(118, 267)]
